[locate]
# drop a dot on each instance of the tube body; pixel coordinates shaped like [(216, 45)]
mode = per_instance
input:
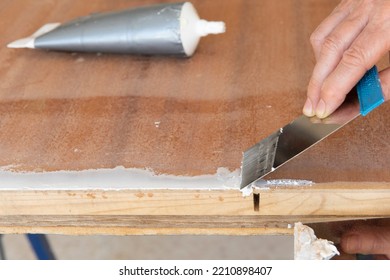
[(153, 30)]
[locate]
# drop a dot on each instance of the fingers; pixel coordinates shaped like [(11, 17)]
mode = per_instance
[(367, 239), (326, 27), (346, 45), (330, 55), (327, 94), (356, 61)]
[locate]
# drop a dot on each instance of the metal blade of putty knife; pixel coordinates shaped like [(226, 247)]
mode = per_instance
[(304, 132)]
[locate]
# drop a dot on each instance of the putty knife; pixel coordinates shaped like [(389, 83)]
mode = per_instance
[(304, 132)]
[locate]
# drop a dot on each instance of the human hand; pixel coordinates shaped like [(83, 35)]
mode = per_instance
[(367, 239), (346, 45)]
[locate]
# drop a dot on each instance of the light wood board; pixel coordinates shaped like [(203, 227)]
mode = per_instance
[(190, 212)]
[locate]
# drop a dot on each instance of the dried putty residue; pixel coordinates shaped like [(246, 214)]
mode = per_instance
[(308, 247), (267, 184), (282, 183), (116, 178)]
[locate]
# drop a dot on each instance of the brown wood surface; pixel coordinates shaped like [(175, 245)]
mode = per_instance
[(63, 111)]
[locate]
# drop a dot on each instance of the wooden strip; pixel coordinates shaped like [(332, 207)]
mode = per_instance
[(183, 221), (343, 199), (129, 230), (142, 221), (191, 211), (146, 231), (339, 199), (128, 202)]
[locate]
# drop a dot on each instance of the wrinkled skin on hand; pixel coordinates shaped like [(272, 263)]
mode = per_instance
[(368, 240), (349, 42), (365, 237)]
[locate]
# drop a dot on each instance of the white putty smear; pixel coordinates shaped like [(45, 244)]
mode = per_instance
[(308, 247), (281, 183), (118, 178), (268, 184)]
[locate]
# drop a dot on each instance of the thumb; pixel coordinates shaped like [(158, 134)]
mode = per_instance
[(367, 239)]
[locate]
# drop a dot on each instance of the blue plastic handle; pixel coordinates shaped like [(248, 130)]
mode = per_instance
[(369, 91)]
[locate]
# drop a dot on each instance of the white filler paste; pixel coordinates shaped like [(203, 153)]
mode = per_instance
[(268, 184), (116, 178), (308, 247)]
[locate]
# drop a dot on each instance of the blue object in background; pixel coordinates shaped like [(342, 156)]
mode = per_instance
[(41, 246)]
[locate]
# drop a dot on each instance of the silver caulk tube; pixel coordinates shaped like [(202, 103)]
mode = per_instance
[(167, 29)]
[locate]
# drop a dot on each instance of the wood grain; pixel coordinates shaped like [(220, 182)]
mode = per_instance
[(190, 212), (63, 111), (339, 199)]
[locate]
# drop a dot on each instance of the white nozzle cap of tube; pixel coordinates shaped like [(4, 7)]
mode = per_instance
[(204, 27), (192, 28)]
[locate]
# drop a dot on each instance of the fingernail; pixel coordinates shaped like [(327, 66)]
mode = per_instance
[(321, 109), (308, 108)]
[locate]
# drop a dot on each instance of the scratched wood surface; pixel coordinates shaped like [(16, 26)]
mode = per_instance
[(73, 111)]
